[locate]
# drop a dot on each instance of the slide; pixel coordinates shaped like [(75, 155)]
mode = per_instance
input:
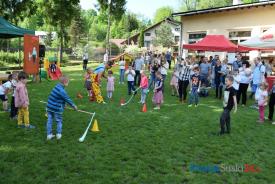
[(56, 74)]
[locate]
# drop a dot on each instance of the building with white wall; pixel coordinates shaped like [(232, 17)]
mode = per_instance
[(150, 33), (237, 22)]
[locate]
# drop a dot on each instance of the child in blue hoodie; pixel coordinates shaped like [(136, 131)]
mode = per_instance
[(55, 107)]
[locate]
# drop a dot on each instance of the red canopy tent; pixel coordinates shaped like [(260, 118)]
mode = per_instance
[(216, 43)]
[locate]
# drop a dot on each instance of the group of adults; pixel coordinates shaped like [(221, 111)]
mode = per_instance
[(213, 72)]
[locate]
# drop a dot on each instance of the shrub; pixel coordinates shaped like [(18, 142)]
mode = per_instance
[(10, 57)]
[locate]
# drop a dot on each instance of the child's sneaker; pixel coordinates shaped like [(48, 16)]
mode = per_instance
[(51, 136), (190, 105), (30, 127), (196, 105), (58, 136)]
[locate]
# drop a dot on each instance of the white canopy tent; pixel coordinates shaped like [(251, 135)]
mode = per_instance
[(263, 41)]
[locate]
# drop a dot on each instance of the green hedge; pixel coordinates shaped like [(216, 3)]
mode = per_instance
[(10, 57), (13, 57)]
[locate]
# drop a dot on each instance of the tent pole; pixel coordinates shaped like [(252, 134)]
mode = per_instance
[(19, 53)]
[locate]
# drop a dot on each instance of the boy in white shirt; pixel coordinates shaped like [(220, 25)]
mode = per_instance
[(4, 90), (130, 78)]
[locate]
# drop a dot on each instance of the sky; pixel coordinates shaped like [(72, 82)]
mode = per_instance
[(147, 8)]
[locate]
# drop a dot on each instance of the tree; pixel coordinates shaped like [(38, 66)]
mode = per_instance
[(116, 9), (188, 5), (15, 10), (49, 39), (162, 13), (98, 28), (61, 14), (124, 27), (141, 39), (77, 30), (164, 36), (204, 4)]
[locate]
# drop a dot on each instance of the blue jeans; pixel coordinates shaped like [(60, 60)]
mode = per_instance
[(131, 87), (152, 80), (143, 95), (194, 97), (204, 79), (58, 119), (254, 87), (121, 75)]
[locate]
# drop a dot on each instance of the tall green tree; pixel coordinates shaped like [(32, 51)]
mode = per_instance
[(162, 13), (164, 36), (141, 39), (115, 9), (188, 5), (77, 29), (203, 4), (60, 13), (16, 10)]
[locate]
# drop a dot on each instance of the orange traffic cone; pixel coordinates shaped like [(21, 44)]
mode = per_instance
[(122, 101), (144, 108), (79, 95)]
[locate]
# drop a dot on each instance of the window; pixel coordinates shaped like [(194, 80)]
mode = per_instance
[(147, 34), (194, 37), (239, 36), (235, 42), (177, 39), (147, 44)]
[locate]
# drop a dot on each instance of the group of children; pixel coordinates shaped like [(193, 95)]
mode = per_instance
[(19, 109), (19, 106), (130, 75)]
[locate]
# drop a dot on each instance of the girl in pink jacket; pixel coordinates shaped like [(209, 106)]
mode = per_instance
[(144, 87), (21, 101)]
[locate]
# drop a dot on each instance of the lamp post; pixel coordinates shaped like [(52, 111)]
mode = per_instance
[(108, 29)]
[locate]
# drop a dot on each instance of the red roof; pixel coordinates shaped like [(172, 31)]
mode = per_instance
[(213, 43)]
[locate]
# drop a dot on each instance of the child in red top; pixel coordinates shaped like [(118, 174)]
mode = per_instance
[(143, 86)]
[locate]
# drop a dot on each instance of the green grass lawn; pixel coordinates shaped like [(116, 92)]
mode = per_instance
[(134, 147)]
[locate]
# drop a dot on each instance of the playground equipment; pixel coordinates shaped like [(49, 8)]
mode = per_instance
[(127, 57), (53, 75)]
